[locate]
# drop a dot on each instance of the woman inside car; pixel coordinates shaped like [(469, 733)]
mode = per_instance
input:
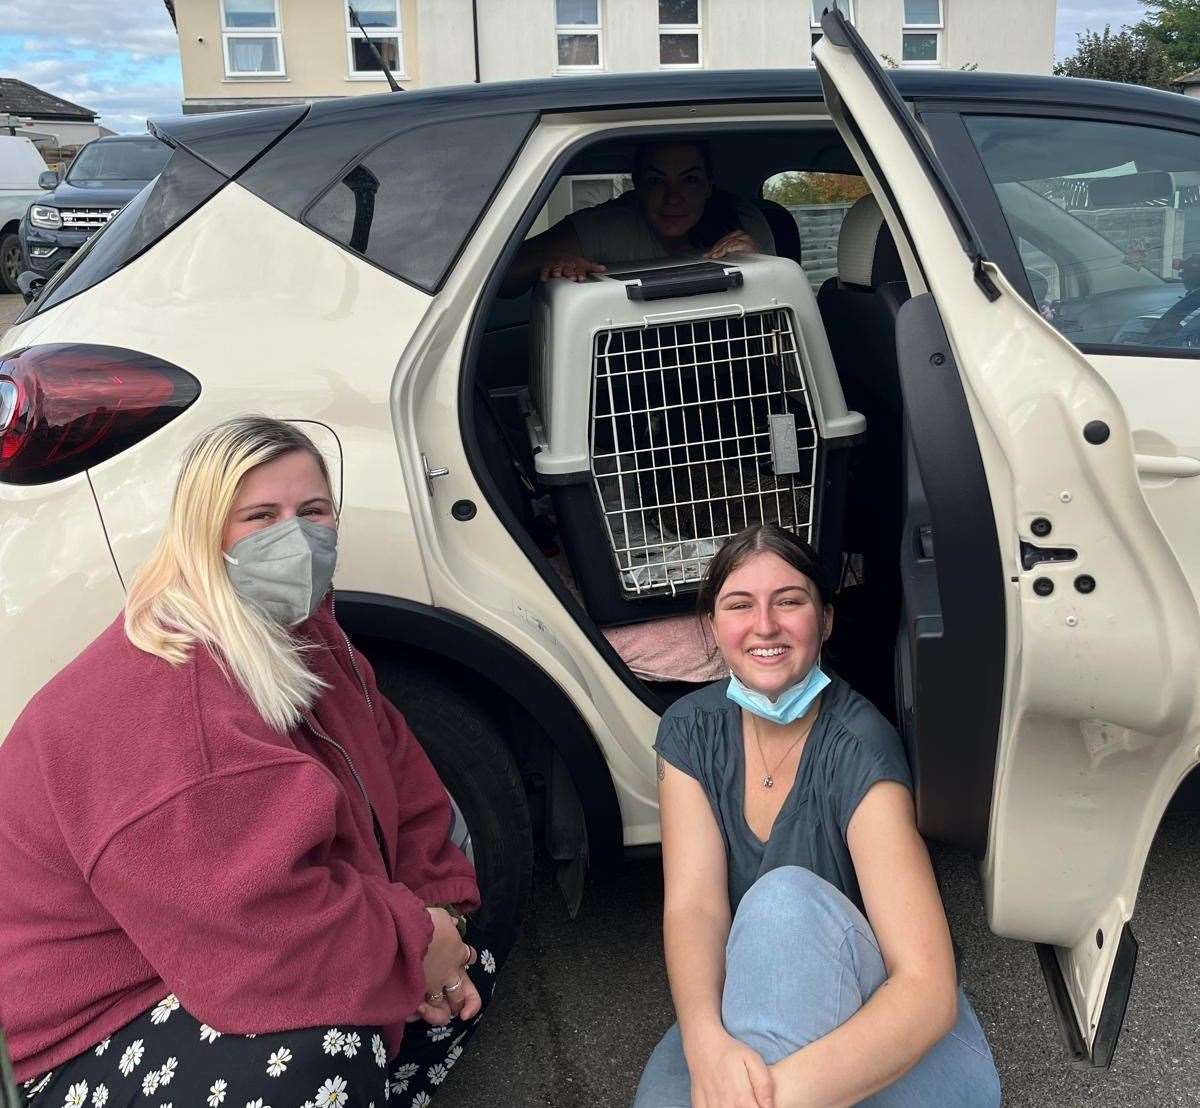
[(807, 948), (225, 857), (672, 211)]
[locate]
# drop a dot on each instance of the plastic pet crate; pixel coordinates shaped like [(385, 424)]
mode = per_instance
[(672, 406)]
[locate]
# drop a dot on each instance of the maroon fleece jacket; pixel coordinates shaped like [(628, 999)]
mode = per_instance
[(156, 836)]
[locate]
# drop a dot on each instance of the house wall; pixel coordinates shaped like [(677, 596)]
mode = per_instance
[(517, 40), (314, 55)]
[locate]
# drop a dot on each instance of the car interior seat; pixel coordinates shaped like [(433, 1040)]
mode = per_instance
[(859, 308), (783, 227)]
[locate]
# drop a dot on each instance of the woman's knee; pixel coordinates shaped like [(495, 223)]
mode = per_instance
[(794, 900)]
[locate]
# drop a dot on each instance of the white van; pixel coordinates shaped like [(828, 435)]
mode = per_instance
[(20, 167)]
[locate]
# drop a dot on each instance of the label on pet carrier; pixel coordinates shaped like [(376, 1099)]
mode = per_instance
[(785, 453)]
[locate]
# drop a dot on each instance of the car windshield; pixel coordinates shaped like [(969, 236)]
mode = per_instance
[(1106, 220), (119, 161)]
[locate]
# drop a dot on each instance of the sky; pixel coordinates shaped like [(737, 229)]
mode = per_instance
[(120, 57)]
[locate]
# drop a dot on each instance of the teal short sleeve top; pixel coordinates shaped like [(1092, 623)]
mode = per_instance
[(850, 748)]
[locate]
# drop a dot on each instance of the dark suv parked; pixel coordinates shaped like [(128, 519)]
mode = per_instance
[(105, 175)]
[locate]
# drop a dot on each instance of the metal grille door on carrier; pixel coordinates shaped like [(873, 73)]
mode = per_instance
[(698, 430), (670, 408)]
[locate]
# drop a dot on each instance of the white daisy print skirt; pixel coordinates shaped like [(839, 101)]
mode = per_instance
[(166, 1057)]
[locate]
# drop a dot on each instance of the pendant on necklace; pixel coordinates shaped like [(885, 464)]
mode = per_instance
[(768, 782)]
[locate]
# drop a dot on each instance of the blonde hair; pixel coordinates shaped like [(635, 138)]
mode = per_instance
[(183, 596)]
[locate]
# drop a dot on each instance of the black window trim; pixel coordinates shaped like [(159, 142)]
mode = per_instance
[(954, 145)]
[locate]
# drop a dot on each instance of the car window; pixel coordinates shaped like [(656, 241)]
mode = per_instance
[(1106, 218), (119, 161), (170, 198), (818, 202), (409, 204), (575, 191)]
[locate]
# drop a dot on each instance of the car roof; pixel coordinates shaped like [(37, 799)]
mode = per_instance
[(560, 94), (108, 139), (564, 94)]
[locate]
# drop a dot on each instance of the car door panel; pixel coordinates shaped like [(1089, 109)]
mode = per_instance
[(1099, 720)]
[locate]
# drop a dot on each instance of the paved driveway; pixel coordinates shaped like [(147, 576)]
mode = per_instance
[(582, 1003), (10, 308)]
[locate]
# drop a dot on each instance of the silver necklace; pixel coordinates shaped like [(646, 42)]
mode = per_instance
[(768, 779)]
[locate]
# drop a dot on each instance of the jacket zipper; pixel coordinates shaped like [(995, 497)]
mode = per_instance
[(312, 726), (350, 651)]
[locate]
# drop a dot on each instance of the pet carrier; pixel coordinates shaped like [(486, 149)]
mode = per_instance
[(672, 406)]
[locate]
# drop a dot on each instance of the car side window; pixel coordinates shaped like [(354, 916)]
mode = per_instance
[(1106, 218), (409, 204), (818, 202)]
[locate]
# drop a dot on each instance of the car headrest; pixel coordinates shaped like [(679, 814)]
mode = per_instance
[(867, 254)]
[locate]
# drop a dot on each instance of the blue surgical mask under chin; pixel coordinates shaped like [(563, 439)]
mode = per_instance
[(788, 706)]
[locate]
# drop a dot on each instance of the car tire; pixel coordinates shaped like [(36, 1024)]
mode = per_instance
[(467, 750), (12, 262)]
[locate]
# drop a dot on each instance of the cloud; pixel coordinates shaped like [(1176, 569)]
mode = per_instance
[(1074, 17), (139, 27), (121, 59)]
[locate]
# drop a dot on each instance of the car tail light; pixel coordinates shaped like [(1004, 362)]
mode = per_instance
[(67, 406)]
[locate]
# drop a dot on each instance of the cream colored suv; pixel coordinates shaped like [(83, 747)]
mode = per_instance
[(987, 421)]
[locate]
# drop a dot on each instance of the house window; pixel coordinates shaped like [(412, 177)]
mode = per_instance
[(679, 34), (922, 32), (817, 8), (578, 35), (381, 21), (250, 38)]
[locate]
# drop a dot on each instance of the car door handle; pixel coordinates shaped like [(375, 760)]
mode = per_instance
[(1160, 465)]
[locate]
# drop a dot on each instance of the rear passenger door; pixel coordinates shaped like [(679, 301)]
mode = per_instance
[(1089, 560)]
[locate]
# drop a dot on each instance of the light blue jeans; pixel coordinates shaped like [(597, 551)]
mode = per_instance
[(802, 959)]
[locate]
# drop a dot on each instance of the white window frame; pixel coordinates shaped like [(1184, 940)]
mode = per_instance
[(696, 29), (936, 29), (228, 33), (596, 29), (815, 17), (352, 33)]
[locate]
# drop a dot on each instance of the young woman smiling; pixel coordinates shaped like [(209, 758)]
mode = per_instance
[(807, 948)]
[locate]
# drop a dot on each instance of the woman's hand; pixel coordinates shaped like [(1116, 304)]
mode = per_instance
[(736, 242), (573, 269), (728, 1074), (446, 963), (460, 998)]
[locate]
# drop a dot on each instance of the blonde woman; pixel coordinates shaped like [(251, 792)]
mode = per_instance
[(227, 878)]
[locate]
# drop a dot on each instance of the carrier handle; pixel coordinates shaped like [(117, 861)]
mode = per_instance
[(666, 283), (685, 315)]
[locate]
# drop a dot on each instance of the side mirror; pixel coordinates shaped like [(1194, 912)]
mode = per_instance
[(48, 180), (30, 284)]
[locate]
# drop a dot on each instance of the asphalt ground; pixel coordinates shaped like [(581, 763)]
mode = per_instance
[(582, 1002), (10, 308)]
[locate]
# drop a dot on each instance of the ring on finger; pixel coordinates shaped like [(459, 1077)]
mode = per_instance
[(455, 987), (435, 998), (471, 956)]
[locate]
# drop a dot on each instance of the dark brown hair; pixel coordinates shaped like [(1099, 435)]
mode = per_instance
[(759, 539)]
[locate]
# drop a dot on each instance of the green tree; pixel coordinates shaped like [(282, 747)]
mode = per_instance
[(1175, 26), (1125, 56), (814, 188)]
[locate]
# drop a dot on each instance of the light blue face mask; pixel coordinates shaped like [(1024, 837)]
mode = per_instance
[(789, 706)]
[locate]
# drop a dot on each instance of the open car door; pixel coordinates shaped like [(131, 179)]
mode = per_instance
[(1049, 654)]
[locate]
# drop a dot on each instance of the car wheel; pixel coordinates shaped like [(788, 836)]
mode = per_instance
[(12, 263), (467, 750)]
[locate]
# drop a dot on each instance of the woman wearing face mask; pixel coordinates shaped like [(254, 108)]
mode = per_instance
[(807, 948), (672, 211), (225, 859)]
